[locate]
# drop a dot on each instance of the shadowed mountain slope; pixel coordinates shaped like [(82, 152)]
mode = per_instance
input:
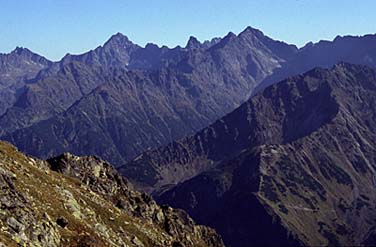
[(298, 158)]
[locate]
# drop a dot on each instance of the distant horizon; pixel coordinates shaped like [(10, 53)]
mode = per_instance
[(182, 46), (55, 28)]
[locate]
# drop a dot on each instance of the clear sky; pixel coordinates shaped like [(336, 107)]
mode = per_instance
[(55, 27)]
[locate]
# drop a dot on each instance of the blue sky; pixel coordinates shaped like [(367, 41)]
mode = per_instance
[(55, 27)]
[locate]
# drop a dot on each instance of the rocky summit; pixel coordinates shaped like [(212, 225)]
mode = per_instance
[(82, 201), (294, 165)]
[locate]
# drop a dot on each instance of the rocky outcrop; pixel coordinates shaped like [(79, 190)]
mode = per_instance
[(83, 201)]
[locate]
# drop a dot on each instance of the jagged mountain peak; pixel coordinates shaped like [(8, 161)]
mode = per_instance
[(115, 52), (25, 53), (193, 43), (152, 46), (250, 30), (119, 40), (209, 43), (21, 50), (253, 36), (230, 35)]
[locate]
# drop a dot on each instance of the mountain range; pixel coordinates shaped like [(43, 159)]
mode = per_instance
[(144, 97), (134, 98), (267, 143)]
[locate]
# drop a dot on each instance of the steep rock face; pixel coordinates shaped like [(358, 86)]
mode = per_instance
[(83, 201), (298, 158), (16, 68)]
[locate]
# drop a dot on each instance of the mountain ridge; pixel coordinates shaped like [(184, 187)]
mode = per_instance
[(280, 161), (248, 28)]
